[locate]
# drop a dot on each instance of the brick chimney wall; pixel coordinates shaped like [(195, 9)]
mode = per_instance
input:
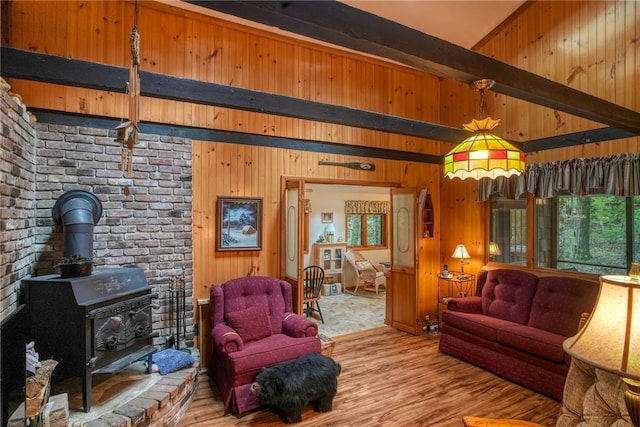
[(150, 227), (17, 195)]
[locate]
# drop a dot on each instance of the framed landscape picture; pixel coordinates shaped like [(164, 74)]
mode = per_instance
[(239, 224)]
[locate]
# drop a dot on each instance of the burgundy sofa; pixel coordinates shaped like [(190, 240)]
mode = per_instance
[(252, 327), (515, 324)]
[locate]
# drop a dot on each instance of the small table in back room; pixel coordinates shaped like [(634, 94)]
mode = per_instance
[(457, 285)]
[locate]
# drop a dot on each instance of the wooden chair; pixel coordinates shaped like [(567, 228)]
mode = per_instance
[(313, 280)]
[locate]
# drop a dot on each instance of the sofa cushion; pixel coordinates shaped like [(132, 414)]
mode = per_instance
[(508, 294), (534, 341), (251, 323), (559, 302), (479, 325)]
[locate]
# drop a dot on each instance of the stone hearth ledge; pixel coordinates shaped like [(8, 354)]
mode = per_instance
[(162, 404)]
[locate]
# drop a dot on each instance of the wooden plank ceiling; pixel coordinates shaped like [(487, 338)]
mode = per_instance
[(342, 25)]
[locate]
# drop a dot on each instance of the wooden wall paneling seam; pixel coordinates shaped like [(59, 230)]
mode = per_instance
[(631, 39)]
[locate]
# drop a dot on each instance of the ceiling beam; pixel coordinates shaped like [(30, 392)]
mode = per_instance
[(342, 25), (577, 138), (27, 65), (33, 66), (232, 137)]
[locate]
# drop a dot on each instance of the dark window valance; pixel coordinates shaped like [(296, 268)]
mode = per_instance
[(617, 175)]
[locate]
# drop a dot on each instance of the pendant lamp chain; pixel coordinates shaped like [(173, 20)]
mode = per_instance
[(481, 86)]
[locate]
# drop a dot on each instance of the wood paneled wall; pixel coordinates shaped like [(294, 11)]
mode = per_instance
[(231, 170), (196, 47), (591, 46), (188, 45)]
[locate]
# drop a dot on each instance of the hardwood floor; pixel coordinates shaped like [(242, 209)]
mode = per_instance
[(396, 379)]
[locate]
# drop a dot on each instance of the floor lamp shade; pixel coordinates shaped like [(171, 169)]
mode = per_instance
[(610, 340)]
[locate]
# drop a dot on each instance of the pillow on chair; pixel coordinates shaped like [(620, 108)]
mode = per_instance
[(364, 264), (251, 323)]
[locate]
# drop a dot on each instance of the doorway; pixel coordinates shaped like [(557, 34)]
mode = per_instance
[(343, 311)]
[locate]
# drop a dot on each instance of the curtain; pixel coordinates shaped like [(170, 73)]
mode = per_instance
[(617, 175), (366, 207), (307, 205)]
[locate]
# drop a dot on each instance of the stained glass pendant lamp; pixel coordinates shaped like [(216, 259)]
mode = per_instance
[(483, 154)]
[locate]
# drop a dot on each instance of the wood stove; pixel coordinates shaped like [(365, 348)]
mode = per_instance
[(93, 324)]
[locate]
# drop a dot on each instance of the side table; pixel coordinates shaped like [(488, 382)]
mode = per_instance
[(457, 285), (327, 345)]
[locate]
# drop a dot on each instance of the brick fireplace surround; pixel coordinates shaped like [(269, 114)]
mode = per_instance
[(149, 228)]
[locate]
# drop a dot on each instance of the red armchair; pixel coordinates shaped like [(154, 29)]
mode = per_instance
[(253, 326)]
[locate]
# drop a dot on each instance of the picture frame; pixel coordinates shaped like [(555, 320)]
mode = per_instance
[(239, 223), (326, 217)]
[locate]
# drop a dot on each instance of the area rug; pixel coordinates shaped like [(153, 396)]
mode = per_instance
[(366, 293), (346, 313)]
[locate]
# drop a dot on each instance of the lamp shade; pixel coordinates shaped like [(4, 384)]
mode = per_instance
[(460, 252), (494, 249), (610, 339), (330, 228), (483, 154)]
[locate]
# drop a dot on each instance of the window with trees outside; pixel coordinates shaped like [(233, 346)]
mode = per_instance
[(597, 234), (366, 231)]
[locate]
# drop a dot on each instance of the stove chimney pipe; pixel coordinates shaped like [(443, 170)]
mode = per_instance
[(78, 211)]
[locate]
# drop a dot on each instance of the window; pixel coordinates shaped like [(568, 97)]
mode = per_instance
[(598, 234), (591, 234), (366, 230), (509, 230)]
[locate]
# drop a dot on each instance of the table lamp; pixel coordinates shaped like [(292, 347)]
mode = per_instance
[(494, 249), (610, 340), (461, 253), (329, 232)]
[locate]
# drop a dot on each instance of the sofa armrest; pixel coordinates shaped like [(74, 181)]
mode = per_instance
[(298, 327), (471, 304), (226, 339)]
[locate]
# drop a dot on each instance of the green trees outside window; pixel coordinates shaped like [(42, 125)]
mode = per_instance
[(366, 230)]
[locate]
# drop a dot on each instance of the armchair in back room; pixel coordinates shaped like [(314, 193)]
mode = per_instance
[(358, 271)]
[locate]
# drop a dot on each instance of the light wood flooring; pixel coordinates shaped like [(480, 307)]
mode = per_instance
[(391, 378)]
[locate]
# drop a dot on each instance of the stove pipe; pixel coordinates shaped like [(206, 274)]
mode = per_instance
[(78, 211)]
